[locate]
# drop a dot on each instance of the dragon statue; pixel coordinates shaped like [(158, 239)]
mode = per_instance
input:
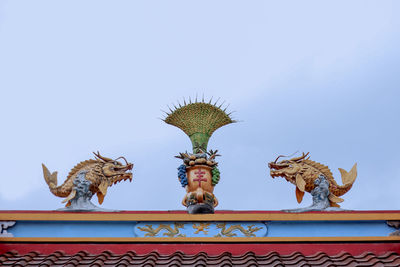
[(315, 178), (87, 178), (199, 172)]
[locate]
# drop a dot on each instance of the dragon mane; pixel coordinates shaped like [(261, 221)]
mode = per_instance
[(81, 165), (322, 168)]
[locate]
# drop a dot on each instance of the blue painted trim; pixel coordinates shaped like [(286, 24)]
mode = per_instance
[(195, 229), (328, 228), (73, 229)]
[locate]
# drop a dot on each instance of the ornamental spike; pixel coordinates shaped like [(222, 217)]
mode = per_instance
[(221, 104), (225, 108), (217, 101)]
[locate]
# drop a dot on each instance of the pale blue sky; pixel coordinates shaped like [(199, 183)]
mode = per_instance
[(317, 76)]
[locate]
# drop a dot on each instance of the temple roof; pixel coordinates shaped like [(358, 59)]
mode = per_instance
[(174, 238), (178, 258)]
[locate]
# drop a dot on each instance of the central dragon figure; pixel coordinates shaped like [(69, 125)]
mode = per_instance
[(310, 176), (96, 175)]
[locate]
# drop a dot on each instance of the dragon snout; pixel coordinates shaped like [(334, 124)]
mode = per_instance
[(129, 167), (277, 166), (274, 166), (123, 168)]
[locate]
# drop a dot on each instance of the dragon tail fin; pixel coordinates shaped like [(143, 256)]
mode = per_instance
[(349, 177), (50, 178)]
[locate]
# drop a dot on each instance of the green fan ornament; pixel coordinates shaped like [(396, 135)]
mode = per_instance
[(199, 172)]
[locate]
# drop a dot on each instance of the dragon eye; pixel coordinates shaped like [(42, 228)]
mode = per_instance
[(115, 163)]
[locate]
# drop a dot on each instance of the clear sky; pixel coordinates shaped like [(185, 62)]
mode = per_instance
[(314, 76)]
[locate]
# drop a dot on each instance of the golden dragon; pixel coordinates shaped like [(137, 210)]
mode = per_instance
[(303, 172), (101, 172), (229, 232), (171, 232)]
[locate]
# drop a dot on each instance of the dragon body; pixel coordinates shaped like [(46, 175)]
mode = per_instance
[(170, 232), (101, 172), (303, 173), (236, 227)]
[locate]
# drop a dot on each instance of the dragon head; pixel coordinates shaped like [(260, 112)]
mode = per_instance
[(286, 168), (114, 170)]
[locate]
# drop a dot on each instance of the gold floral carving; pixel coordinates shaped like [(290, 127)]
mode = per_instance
[(201, 227)]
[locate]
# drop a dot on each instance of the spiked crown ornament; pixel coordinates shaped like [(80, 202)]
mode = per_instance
[(199, 120)]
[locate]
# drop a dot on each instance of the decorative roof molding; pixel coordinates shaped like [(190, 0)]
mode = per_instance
[(201, 229), (389, 215), (180, 227)]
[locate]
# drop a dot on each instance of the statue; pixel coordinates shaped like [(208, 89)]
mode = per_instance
[(87, 178), (199, 172), (315, 178)]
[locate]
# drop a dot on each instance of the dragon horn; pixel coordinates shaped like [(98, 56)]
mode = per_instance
[(123, 159), (285, 156), (278, 158), (301, 157), (101, 157)]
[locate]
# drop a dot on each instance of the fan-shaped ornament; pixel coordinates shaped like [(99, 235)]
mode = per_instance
[(199, 172)]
